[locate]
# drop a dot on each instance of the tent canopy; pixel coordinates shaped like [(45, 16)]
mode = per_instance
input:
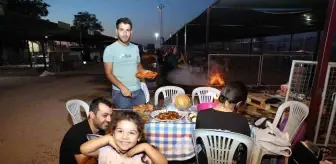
[(234, 19), (321, 4)]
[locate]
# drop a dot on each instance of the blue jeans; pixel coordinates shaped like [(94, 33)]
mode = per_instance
[(122, 102)]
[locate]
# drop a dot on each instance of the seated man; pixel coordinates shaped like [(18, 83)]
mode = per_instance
[(225, 113), (96, 123)]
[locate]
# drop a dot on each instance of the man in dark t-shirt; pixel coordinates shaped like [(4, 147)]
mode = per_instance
[(96, 123)]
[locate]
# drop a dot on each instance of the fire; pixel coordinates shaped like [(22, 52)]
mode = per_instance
[(216, 79)]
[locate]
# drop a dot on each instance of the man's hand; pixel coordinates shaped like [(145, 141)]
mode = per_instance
[(126, 92)]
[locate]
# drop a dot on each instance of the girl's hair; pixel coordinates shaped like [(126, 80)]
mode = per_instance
[(133, 117), (234, 92), (129, 116)]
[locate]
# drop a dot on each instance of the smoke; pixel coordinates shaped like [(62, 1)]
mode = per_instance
[(188, 76), (194, 76)]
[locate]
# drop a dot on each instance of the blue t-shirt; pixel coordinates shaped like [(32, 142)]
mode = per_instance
[(125, 61)]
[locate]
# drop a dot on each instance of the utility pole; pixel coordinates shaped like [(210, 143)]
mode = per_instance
[(160, 7)]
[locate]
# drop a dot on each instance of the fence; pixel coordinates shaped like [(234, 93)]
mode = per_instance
[(275, 68), (255, 70), (325, 134), (300, 81), (300, 87), (240, 67)]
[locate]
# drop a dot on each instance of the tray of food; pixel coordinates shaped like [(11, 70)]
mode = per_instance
[(167, 115), (143, 107), (144, 115), (144, 110), (146, 74)]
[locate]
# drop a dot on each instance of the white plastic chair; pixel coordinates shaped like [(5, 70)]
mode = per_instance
[(298, 112), (205, 94), (145, 90), (221, 145), (168, 91), (73, 107)]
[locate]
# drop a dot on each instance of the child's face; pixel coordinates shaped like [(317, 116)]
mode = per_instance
[(126, 135)]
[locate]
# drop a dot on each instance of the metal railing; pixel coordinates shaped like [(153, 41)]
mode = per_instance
[(325, 133), (276, 68), (239, 67), (256, 70)]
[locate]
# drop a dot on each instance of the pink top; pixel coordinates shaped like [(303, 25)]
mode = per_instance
[(107, 155)]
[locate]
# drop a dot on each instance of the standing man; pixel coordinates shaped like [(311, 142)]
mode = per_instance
[(122, 62), (96, 123)]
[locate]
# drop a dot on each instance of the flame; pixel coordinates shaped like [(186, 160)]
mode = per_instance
[(216, 79)]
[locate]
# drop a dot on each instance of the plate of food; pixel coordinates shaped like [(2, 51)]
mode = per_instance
[(167, 115), (143, 107), (146, 74)]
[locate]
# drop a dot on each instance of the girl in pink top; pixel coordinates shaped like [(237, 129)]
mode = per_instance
[(124, 145)]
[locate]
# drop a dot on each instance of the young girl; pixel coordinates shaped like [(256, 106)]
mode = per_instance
[(123, 145)]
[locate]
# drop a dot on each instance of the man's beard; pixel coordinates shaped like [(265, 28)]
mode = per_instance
[(125, 42), (100, 126)]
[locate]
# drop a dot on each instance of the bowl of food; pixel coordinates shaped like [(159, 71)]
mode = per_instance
[(192, 117), (205, 106), (167, 115)]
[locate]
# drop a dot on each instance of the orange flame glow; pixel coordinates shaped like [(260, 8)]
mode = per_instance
[(216, 79)]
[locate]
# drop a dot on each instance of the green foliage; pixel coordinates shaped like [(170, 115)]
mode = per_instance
[(33, 8), (87, 21)]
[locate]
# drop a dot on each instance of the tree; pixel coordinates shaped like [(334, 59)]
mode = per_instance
[(86, 21), (33, 8)]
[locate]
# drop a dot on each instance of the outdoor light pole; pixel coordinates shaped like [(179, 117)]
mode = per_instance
[(160, 7), (156, 35), (171, 39)]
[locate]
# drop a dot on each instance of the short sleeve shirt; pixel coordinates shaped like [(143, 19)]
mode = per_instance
[(72, 141), (107, 155), (125, 61)]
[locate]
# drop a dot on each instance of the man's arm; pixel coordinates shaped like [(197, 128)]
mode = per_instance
[(140, 68), (108, 72), (155, 155)]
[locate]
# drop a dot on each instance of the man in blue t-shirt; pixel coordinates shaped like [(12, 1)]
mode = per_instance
[(122, 62)]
